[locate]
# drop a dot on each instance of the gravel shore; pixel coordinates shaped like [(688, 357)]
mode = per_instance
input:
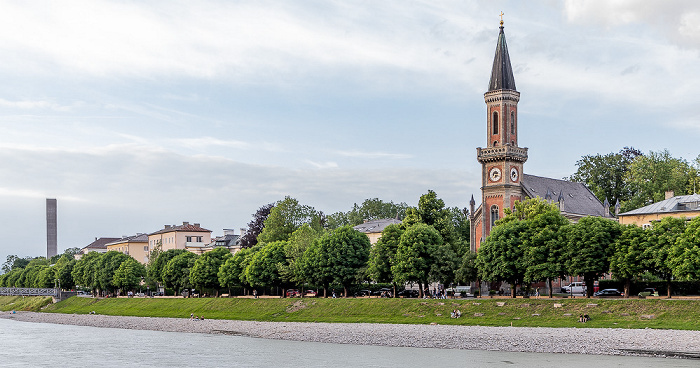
[(518, 339)]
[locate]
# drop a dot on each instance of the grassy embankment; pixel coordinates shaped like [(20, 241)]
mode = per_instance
[(606, 313), (30, 303)]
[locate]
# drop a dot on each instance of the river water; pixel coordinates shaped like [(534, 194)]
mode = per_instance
[(27, 344)]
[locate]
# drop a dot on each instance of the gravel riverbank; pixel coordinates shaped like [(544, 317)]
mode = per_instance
[(518, 339)]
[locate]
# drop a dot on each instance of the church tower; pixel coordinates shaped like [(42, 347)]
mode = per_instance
[(502, 160)]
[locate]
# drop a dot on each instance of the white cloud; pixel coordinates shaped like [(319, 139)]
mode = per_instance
[(374, 155), (322, 165)]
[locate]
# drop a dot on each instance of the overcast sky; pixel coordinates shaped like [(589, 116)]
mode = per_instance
[(139, 114)]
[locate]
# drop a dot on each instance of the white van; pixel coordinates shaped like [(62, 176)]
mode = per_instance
[(574, 288)]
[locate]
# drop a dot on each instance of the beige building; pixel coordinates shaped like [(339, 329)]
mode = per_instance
[(373, 229), (99, 245), (687, 206), (229, 241), (186, 236), (136, 246)]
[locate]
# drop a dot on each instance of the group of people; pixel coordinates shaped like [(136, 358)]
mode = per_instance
[(456, 313), (435, 294), (195, 318), (583, 318)]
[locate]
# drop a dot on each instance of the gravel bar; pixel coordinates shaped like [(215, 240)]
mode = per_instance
[(647, 342)]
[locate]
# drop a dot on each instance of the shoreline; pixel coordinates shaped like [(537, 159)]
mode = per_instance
[(647, 342)]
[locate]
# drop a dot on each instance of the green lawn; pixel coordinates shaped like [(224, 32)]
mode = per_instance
[(30, 303), (607, 313)]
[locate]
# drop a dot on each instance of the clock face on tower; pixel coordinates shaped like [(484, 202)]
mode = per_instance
[(495, 174), (513, 174)]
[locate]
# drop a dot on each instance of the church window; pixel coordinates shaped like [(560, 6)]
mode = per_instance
[(494, 215), (495, 122), (512, 123)]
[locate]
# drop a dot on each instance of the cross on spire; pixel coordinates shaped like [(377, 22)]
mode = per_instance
[(501, 19)]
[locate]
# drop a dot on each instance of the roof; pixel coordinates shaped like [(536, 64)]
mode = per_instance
[(138, 238), (186, 226), (375, 226), (227, 240), (502, 72), (100, 243), (684, 203), (577, 198)]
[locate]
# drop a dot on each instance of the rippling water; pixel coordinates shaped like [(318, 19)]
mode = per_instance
[(46, 345)]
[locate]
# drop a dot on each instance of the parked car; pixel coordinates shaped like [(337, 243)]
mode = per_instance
[(608, 292), (648, 292), (574, 288), (293, 293), (408, 293), (310, 294)]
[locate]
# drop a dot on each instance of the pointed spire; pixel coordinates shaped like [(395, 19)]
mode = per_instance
[(502, 72), (472, 202), (606, 205), (561, 201), (548, 195), (617, 207)]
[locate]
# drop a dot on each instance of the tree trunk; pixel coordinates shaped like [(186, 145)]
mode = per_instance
[(668, 288), (513, 286), (345, 291), (549, 284), (394, 294), (325, 291), (628, 286)]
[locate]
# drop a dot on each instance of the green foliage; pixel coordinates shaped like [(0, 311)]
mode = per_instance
[(338, 256), (501, 255), (662, 237), (85, 271), (415, 254), (204, 273), (382, 255), (263, 268), (589, 246), (255, 226), (651, 175), (606, 175), (107, 265), (285, 217), (158, 260), (467, 271), (370, 209), (292, 270), (628, 259), (232, 272), (63, 270), (685, 254), (176, 272), (129, 274)]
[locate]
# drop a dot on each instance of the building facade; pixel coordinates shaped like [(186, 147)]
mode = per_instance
[(685, 206), (135, 246), (179, 237)]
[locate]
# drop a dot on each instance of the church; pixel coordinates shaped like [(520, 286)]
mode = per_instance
[(503, 179)]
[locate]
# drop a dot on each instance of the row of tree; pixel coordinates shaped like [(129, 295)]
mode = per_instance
[(535, 243), (637, 179)]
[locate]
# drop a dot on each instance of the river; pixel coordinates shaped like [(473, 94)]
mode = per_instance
[(26, 344)]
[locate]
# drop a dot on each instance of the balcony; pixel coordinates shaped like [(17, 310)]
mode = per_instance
[(501, 153)]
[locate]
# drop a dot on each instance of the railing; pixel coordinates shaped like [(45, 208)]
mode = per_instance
[(14, 291), (501, 152)]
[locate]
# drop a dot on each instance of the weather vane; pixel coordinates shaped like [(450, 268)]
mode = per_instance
[(501, 19)]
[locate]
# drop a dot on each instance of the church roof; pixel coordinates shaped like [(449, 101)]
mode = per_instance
[(375, 226), (502, 72), (577, 198), (674, 204)]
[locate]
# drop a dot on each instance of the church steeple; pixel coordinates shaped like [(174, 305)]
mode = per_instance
[(502, 72)]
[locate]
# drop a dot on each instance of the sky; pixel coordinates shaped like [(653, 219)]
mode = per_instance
[(136, 114)]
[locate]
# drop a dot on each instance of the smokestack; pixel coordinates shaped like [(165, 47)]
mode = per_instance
[(51, 228)]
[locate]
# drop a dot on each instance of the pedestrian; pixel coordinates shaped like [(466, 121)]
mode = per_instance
[(255, 293), (191, 316)]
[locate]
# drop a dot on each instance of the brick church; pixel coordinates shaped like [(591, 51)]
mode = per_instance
[(503, 180)]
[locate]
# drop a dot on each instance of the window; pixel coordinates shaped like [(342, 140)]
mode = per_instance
[(494, 215), (145, 248), (494, 121), (199, 239), (512, 122), (189, 239)]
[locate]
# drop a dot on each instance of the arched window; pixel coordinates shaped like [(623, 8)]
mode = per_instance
[(512, 122), (494, 215), (495, 123)]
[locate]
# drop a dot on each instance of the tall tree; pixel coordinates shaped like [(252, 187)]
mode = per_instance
[(255, 226), (589, 245), (628, 259), (287, 216), (107, 265), (605, 175), (415, 255), (176, 272), (158, 260), (263, 268), (651, 175), (382, 256), (64, 269), (662, 237), (292, 270), (501, 255), (685, 254), (204, 273), (129, 275), (85, 271), (338, 256), (232, 272)]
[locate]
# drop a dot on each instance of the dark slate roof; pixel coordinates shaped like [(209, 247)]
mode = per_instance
[(675, 204), (100, 243), (578, 199), (186, 226), (375, 226), (502, 72), (138, 238), (228, 240)]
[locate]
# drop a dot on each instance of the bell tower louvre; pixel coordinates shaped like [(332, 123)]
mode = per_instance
[(502, 160)]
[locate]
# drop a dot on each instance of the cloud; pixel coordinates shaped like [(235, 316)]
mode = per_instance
[(322, 165), (37, 105), (373, 155)]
